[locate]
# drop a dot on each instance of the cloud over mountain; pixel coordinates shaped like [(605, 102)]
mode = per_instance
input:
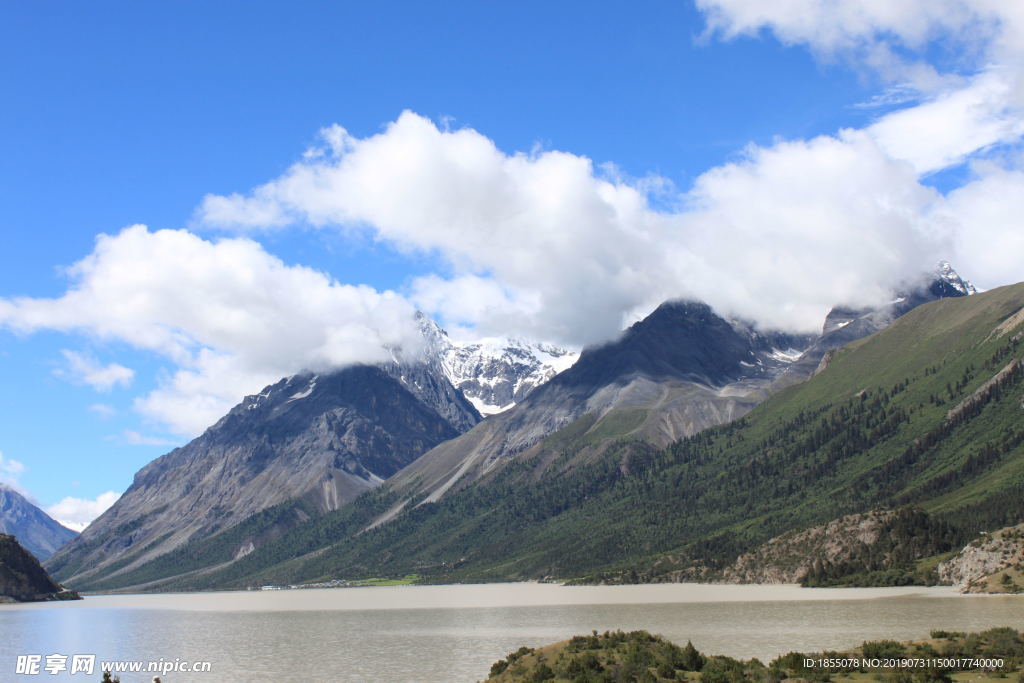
[(230, 317), (76, 513)]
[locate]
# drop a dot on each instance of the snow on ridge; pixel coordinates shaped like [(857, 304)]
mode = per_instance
[(486, 409), (789, 355), (494, 373)]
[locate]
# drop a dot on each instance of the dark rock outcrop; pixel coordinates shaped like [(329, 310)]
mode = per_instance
[(23, 579)]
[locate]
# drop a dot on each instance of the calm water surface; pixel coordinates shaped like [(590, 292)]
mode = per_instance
[(454, 633)]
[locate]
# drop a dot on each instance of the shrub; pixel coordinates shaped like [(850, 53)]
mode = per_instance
[(881, 649)]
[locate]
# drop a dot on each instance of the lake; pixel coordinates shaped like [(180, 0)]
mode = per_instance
[(454, 633)]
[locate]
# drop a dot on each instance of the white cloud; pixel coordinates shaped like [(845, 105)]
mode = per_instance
[(975, 103), (134, 438), (947, 129), (104, 410), (77, 513), (838, 27), (800, 226), (546, 246), (84, 368), (989, 229), (228, 315), (10, 471)]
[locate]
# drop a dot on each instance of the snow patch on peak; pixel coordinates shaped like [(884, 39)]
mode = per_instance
[(497, 373), (305, 392), (485, 408), (791, 355), (494, 373)]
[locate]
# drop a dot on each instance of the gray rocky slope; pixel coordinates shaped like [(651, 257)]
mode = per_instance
[(974, 568), (35, 530), (321, 438)]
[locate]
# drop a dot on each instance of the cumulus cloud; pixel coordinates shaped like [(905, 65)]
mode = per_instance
[(230, 317), (947, 129), (780, 236), (77, 513), (546, 245), (84, 368), (975, 105), (990, 234)]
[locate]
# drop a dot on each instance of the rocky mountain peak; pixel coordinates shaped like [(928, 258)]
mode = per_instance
[(947, 278), (687, 340), (39, 533)]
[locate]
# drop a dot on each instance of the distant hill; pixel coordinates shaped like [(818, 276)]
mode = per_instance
[(37, 532)]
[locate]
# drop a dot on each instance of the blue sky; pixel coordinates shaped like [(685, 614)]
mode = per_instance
[(718, 151)]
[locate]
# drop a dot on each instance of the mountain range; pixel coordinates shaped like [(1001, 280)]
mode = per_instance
[(271, 492)]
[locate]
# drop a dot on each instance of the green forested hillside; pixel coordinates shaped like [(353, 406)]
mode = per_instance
[(927, 412)]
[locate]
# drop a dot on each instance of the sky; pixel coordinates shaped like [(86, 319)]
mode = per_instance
[(201, 198)]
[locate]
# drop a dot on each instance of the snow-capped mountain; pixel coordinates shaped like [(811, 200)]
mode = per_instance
[(944, 273), (494, 373)]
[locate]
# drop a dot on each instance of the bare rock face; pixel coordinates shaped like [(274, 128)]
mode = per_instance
[(36, 531), (988, 555), (323, 439), (22, 578), (791, 557), (866, 542)]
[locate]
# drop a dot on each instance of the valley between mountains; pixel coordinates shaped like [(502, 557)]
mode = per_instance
[(692, 448)]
